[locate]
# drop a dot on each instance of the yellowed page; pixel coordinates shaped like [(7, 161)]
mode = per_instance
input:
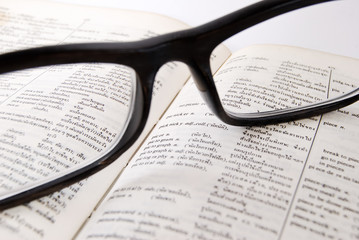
[(197, 178), (26, 24)]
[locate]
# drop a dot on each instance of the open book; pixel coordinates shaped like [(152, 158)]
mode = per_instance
[(190, 176)]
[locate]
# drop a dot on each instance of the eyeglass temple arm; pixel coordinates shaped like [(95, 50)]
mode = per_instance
[(106, 52), (222, 28)]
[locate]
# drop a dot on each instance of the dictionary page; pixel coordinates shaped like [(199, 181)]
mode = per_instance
[(198, 178), (54, 127)]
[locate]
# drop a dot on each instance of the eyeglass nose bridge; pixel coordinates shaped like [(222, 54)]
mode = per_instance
[(203, 79)]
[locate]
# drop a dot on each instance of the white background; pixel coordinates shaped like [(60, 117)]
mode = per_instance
[(331, 27)]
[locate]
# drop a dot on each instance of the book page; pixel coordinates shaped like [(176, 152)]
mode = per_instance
[(25, 24), (198, 178)]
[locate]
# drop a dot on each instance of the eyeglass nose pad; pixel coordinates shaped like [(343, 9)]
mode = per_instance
[(205, 84), (139, 115)]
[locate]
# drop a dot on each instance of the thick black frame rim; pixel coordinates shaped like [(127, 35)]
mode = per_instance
[(131, 134), (217, 31)]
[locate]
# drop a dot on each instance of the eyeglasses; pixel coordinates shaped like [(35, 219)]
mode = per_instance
[(129, 68)]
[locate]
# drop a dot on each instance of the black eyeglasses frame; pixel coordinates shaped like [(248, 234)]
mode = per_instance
[(192, 47)]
